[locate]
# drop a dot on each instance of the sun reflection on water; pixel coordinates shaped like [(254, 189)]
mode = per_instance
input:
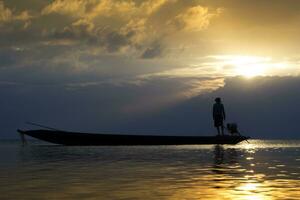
[(256, 171), (235, 175)]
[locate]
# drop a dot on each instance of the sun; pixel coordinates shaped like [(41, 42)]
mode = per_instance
[(249, 66), (250, 70)]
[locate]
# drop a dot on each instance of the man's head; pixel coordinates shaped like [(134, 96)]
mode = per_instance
[(218, 100)]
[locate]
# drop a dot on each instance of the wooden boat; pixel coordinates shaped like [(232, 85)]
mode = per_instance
[(84, 139)]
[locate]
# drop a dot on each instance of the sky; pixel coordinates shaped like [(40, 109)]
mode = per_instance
[(150, 67)]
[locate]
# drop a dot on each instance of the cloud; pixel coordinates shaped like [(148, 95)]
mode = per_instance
[(161, 93), (116, 25), (102, 23), (67, 7), (9, 57), (66, 41), (136, 25), (7, 15), (152, 52), (111, 102), (195, 18), (260, 106)]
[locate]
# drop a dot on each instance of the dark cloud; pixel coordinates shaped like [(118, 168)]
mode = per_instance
[(93, 106), (154, 51), (261, 106), (9, 57), (114, 41)]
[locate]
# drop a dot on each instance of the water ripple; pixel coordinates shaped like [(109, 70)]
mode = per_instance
[(259, 170)]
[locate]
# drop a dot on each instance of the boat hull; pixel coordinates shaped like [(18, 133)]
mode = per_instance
[(85, 139)]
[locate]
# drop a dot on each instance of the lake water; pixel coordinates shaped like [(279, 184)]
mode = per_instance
[(259, 170)]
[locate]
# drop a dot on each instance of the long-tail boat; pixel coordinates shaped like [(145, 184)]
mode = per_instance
[(85, 139)]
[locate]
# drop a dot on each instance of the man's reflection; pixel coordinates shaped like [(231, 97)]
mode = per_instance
[(224, 159)]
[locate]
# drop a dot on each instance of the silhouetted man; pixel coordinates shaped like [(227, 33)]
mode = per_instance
[(219, 115)]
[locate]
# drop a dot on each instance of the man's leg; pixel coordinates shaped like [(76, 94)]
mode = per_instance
[(222, 129), (218, 129)]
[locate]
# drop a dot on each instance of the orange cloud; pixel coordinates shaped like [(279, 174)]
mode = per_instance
[(69, 7), (5, 13), (195, 18)]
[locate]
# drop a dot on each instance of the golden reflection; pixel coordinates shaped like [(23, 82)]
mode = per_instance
[(266, 190), (234, 175), (248, 187), (252, 191), (221, 172), (248, 146)]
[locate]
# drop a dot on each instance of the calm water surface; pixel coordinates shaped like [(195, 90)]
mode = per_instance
[(261, 170)]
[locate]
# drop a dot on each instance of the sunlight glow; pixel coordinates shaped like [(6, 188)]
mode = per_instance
[(221, 66), (251, 191), (248, 66), (250, 70), (248, 187)]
